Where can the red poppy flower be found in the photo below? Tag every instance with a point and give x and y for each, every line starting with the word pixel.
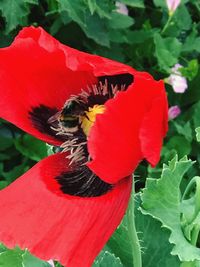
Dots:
pixel 103 115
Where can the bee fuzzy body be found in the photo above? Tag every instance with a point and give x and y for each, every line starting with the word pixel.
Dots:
pixel 70 117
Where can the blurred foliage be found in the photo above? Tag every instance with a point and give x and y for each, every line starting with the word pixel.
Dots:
pixel 146 38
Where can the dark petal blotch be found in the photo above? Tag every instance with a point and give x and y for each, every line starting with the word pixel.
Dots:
pixel 97 99
pixel 39 117
pixel 82 182
pixel 119 79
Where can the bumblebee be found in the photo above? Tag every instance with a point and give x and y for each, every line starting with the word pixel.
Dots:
pixel 70 116
pixel 76 115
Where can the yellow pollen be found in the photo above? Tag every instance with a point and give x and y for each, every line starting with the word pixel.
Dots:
pixel 88 120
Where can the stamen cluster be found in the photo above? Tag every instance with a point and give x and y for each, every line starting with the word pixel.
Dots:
pixel 76 109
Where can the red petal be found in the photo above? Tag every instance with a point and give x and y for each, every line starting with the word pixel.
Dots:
pixel 131 129
pixel 36 215
pixel 75 59
pixel 34 74
pixel 154 127
pixel 38 74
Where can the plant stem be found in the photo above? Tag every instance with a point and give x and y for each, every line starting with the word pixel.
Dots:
pixel 195 235
pixel 195 182
pixel 167 24
pixel 136 249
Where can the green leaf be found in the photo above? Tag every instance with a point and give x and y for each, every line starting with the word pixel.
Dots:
pixel 198 133
pixel 182 18
pixel 19 258
pixel 15 172
pixel 92 5
pixel 192 42
pixel 2 248
pixel 34 2
pixel 134 3
pixel 192 95
pixel 175 145
pixel 120 21
pixel 160 3
pixel 64 18
pixel 11 258
pixel 153 239
pixel 167 51
pixel 161 200
pixel 190 208
pixel 117 37
pixel 75 10
pixel 14 11
pixel 92 25
pixel 4 156
pixel 3 184
pixel 31 147
pixel 121 237
pixel 31 261
pixel 106 259
pixel 102 8
pixel 139 36
pixel 195 115
pixel 57 264
pixel 191 70
pixel 190 264
pixel 155 245
pixel 115 53
pixel 96 29
pixel 5 143
pixel 185 130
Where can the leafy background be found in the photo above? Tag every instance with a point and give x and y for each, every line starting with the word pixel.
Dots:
pixel 147 39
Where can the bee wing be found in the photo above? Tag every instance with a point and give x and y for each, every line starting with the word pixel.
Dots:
pixel 54 118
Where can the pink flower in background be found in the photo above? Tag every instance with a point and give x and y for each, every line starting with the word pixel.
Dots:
pixel 176 80
pixel 51 263
pixel 172 5
pixel 173 112
pixel 121 8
